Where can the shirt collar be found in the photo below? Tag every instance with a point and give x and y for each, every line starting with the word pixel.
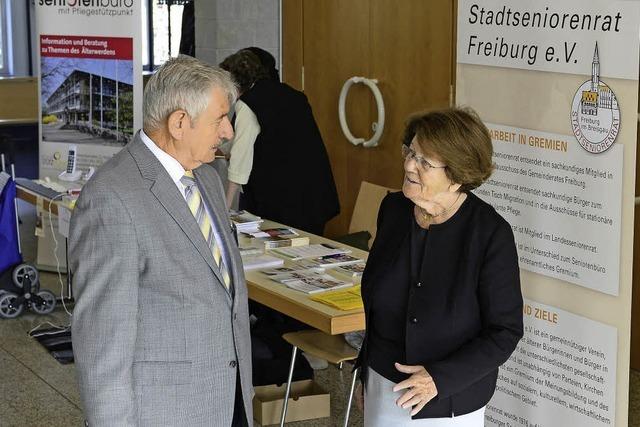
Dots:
pixel 173 167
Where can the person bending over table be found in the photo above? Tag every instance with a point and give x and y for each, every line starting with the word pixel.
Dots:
pixel 441 288
pixel 284 166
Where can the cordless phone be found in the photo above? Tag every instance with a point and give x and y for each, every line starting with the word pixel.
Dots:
pixel 72 173
pixel 71 160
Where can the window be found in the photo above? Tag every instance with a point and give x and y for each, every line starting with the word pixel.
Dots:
pixel 161 34
pixel 161 29
pixel 16 36
pixel 4 33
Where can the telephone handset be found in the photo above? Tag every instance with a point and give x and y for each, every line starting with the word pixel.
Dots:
pixel 71 159
pixel 72 173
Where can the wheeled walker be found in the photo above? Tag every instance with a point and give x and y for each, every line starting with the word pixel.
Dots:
pixel 19 281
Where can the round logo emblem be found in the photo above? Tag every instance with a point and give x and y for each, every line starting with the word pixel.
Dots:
pixel 595 116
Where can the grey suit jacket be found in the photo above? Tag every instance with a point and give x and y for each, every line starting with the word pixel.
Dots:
pixel 157 337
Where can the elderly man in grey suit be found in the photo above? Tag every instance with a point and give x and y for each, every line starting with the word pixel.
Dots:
pixel 160 325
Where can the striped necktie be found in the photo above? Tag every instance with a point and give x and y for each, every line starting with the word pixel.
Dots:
pixel 196 205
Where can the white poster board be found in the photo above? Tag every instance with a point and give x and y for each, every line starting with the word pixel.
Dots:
pixel 558 37
pixel 563 373
pixel 90 85
pixel 550 195
pixel 557 86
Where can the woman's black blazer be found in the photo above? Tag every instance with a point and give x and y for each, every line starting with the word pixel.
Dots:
pixel 464 315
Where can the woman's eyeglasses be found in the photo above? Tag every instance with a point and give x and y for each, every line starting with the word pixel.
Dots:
pixel 421 162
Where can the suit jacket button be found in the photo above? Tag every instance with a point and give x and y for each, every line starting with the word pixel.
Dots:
pixel 414 320
pixel 233 364
pixel 419 285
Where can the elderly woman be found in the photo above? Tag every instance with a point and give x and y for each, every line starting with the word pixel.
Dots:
pixel 441 288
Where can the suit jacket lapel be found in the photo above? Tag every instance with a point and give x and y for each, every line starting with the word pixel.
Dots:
pixel 165 190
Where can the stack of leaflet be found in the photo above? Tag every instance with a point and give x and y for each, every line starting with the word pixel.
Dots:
pixel 310 282
pixel 274 232
pixel 310 251
pixel 255 258
pixel 278 238
pixel 351 270
pixel 250 250
pixel 245 222
pixel 258 261
pixel 343 299
pixel 282 270
pixel 330 261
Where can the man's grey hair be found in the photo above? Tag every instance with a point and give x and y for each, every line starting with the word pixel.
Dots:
pixel 183 83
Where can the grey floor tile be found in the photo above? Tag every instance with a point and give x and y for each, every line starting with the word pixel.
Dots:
pixel 17 343
pixel 27 400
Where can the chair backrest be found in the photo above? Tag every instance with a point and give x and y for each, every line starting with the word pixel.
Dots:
pixel 365 212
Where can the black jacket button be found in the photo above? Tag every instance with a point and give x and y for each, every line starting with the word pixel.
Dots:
pixel 233 364
pixel 419 285
pixel 414 320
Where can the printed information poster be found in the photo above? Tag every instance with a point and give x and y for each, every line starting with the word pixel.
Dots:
pixel 90 67
pixel 563 373
pixel 86 97
pixel 556 83
pixel 551 190
pixel 558 37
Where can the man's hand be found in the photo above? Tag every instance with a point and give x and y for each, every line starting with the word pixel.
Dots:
pixel 359 396
pixel 420 388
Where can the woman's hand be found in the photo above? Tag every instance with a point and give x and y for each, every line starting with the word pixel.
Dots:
pixel 359 396
pixel 420 388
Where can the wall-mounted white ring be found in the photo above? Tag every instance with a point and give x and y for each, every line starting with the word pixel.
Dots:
pixel 378 126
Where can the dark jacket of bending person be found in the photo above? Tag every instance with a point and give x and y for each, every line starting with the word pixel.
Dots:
pixel 441 288
pixel 291 179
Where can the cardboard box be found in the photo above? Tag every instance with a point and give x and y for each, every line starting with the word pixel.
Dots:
pixel 307 400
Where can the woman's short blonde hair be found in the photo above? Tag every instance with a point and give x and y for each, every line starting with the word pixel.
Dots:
pixel 458 138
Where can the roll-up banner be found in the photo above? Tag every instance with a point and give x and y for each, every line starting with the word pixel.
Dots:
pixel 556 83
pixel 90 68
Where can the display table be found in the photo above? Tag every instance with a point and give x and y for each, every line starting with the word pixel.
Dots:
pixel 299 305
pixel 265 291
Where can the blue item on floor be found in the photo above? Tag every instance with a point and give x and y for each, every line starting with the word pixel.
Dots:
pixel 19 282
pixel 9 250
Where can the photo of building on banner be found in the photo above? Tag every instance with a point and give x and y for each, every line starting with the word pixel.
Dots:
pixel 87 89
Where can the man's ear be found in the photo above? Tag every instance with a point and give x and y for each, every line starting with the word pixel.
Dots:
pixel 176 123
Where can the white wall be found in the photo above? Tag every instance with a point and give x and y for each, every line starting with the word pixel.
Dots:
pixel 225 26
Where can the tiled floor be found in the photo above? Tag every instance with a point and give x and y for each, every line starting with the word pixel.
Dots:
pixel 36 391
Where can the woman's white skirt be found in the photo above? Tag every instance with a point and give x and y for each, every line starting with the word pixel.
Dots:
pixel 380 409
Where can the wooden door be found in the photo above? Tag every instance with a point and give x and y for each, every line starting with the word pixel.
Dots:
pixel 407 45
